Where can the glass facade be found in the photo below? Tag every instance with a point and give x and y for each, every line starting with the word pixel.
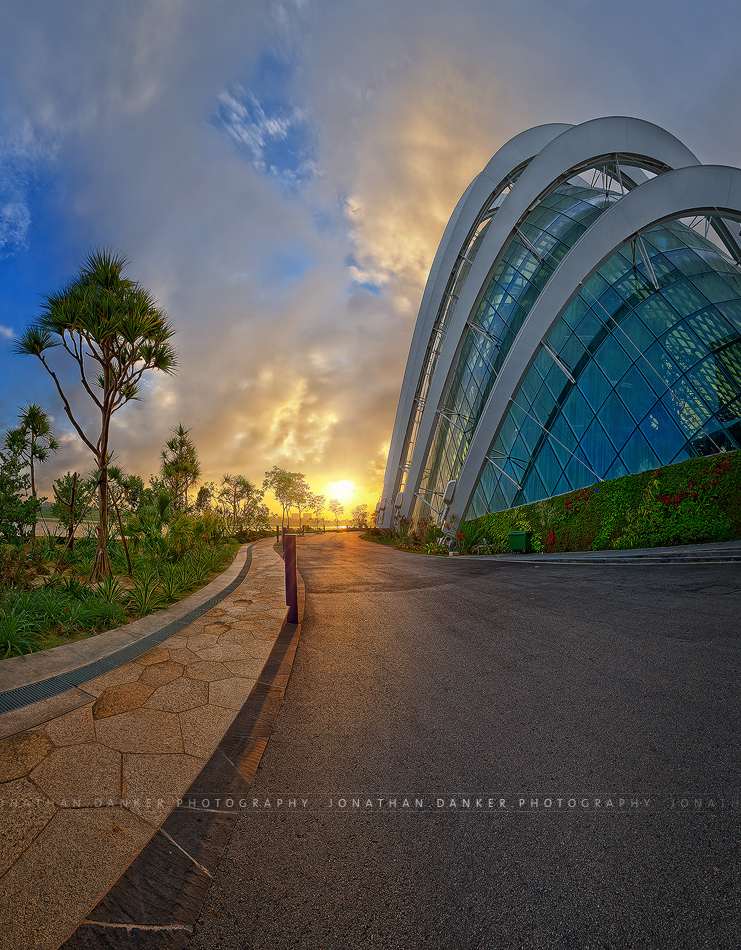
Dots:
pixel 537 248
pixel 647 369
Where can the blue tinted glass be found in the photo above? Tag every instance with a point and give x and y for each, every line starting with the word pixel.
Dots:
pixel 684 297
pixel 687 261
pixel 572 351
pixel 613 359
pixel 659 368
pixel 662 434
pixel 686 407
pixel 577 412
pixel 596 447
pixel 548 467
pixel 711 327
pixel 657 314
pixel 590 329
pixel 533 488
pixel 683 346
pixel 731 310
pixel 594 385
pixel 635 392
pixel 617 469
pixel 706 378
pixel 616 420
pixel 637 454
pixel 633 335
pixel 714 287
pixel 575 311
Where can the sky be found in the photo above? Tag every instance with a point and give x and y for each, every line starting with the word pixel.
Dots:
pixel 279 173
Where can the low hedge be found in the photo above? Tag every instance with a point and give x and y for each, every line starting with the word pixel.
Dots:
pixel 695 501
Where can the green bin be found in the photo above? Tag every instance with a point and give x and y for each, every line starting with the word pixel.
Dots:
pixel 520 541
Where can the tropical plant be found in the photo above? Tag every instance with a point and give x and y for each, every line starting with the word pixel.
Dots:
pixel 16 635
pixel 113 330
pixel 34 438
pixel 180 465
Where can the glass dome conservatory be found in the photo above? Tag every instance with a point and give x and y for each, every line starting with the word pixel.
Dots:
pixel 582 321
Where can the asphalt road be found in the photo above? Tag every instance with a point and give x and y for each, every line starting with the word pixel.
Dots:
pixel 589 716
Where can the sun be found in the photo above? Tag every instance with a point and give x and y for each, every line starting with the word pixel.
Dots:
pixel 342 491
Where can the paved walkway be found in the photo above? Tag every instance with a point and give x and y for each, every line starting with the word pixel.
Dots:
pixel 88 775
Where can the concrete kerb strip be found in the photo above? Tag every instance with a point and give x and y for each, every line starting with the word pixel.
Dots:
pixel 154 726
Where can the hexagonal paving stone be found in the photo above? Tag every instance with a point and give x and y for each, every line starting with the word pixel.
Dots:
pixel 183 655
pixel 250 669
pixel 230 693
pixel 79 774
pixel 142 730
pixel 178 696
pixel 215 629
pixel 203 728
pixel 129 673
pixel 21 819
pixel 161 673
pixel 206 670
pixel 119 699
pixel 227 651
pixel 154 783
pixel 21 753
pixel 74 727
pixel 157 655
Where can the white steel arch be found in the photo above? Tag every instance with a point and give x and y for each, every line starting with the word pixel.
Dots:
pixel 515 153
pixel 592 141
pixel 704 189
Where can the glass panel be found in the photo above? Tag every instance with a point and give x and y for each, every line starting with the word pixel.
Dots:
pixel 684 297
pixel 613 359
pixel 683 346
pixel 617 420
pixel 714 287
pixel 633 335
pixel 596 448
pixel 594 385
pixel 636 393
pixel 659 368
pixel 637 455
pixel 686 407
pixel 662 434
pixel 548 467
pixel 657 315
pixel 577 412
pixel 711 327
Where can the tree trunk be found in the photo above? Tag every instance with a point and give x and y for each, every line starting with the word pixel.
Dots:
pixel 102 565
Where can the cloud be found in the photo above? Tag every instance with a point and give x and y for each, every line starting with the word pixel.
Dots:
pixel 280 174
pixel 6 332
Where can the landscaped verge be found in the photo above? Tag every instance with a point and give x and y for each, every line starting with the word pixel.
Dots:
pixel 693 502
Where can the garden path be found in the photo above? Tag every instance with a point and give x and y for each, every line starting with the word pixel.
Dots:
pixel 83 789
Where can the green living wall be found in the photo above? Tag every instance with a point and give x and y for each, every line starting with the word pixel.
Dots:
pixel 690 503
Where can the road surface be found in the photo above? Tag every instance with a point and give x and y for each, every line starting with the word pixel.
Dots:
pixel 481 754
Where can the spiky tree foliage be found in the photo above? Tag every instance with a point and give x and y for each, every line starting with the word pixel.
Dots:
pixel 34 437
pixel 180 465
pixel 114 331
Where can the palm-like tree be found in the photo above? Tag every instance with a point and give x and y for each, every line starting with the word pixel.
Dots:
pixel 33 438
pixel 113 330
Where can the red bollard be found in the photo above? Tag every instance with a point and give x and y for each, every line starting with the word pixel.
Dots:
pixel 289 558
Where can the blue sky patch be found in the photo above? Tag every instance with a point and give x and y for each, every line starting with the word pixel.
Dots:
pixel 264 121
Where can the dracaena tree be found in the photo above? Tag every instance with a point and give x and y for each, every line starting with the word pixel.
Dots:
pixel 114 332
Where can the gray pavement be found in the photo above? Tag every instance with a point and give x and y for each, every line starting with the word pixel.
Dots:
pixel 572 734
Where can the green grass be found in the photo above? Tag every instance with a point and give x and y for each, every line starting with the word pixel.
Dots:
pixel 40 609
